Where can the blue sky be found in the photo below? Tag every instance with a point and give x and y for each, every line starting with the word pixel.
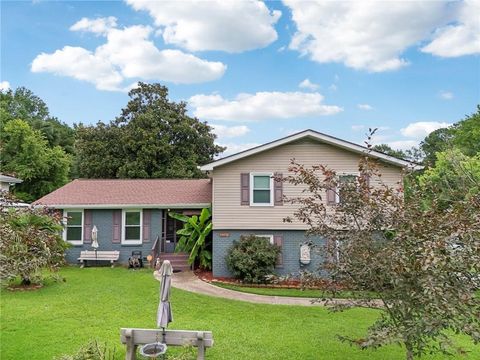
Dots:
pixel 256 71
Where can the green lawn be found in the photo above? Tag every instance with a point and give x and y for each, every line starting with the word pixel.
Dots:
pixel 307 293
pixel 97 302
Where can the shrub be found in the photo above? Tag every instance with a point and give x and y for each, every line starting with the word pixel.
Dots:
pixel 30 241
pixel 252 258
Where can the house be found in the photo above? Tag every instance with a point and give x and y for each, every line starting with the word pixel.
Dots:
pixel 131 215
pixel 7 181
pixel 247 200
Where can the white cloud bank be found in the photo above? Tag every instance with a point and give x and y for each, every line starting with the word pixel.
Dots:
pixel 127 54
pixel 231 26
pixel 235 148
pixel 261 106
pixel 4 85
pixel 422 128
pixel 461 38
pixel 372 35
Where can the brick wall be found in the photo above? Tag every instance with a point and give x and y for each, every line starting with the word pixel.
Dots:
pixel 292 240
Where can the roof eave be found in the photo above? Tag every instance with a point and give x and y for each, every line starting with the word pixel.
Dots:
pixel 124 206
pixel 318 136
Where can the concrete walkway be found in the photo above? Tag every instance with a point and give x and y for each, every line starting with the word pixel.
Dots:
pixel 189 282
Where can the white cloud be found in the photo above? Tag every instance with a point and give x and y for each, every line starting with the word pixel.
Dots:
pixel 233 148
pixel 307 84
pixel 364 107
pixel 261 106
pixel 403 144
pixel 422 128
pixel 97 26
pixel 446 95
pixel 4 85
pixel 366 35
pixel 223 131
pixel 231 26
pixel 460 38
pixel 128 54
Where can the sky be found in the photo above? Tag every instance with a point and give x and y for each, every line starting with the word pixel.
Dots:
pixel 255 71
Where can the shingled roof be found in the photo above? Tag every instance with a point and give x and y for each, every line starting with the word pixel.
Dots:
pixel 102 193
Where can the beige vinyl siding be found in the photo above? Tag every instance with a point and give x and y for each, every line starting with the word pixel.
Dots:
pixel 229 214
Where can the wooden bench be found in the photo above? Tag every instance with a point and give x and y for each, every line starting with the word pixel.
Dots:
pixel 135 337
pixel 87 255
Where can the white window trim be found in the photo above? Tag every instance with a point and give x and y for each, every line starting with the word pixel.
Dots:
pixel 65 222
pixel 269 236
pixel 271 188
pixel 337 190
pixel 124 224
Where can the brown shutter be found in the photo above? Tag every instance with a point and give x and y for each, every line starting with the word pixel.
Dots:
pixel 278 189
pixel 117 226
pixel 87 226
pixel 245 189
pixel 278 240
pixel 147 218
pixel 331 197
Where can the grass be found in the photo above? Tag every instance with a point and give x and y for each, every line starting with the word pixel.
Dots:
pixel 272 291
pixel 94 303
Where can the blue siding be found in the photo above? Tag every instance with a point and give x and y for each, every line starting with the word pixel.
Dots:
pixel 292 240
pixel 103 219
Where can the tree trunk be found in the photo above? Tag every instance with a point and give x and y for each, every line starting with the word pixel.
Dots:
pixel 409 352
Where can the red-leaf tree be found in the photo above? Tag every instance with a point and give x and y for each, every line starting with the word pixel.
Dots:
pixel 420 263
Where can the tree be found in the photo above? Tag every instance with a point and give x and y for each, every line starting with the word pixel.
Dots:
pixel 195 237
pixel 152 138
pixel 420 264
pixel 386 149
pixel 30 241
pixel 467 134
pixel 463 135
pixel 455 177
pixel 25 105
pixel 25 153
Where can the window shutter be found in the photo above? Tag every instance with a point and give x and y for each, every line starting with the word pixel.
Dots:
pixel 147 218
pixel 245 189
pixel 278 189
pixel 87 226
pixel 331 197
pixel 117 226
pixel 278 240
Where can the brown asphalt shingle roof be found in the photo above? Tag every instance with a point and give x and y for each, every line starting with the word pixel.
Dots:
pixel 130 192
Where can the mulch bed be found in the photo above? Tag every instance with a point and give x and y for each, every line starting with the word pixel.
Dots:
pixel 207 276
pixel 31 287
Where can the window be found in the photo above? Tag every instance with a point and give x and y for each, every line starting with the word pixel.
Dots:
pixel 347 182
pixel 132 227
pixel 73 231
pixel 268 237
pixel 261 185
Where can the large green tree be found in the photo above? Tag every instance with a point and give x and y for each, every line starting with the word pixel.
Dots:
pixel 152 138
pixel 25 153
pixel 463 135
pixel 25 105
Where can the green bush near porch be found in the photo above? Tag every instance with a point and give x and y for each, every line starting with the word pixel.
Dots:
pixel 97 302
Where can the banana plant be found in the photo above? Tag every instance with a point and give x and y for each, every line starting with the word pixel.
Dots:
pixel 194 237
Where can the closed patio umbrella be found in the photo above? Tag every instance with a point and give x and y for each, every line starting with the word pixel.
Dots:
pixel 164 313
pixel 95 237
pixel 95 241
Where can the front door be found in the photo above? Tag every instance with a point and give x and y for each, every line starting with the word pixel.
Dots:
pixel 171 234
